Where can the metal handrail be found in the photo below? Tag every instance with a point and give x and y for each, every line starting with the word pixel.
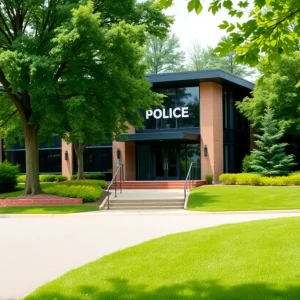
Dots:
pixel 114 180
pixel 189 179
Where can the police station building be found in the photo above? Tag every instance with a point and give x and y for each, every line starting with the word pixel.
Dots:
pixel 198 122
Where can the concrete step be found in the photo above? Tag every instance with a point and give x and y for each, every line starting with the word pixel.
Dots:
pixel 146 204
pixel 145 207
pixel 157 184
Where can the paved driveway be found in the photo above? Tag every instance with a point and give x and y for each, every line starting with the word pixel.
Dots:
pixel 34 250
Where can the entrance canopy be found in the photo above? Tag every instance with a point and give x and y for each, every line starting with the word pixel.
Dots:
pixel 160 136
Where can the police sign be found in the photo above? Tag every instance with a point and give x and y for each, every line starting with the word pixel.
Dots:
pixel 168 113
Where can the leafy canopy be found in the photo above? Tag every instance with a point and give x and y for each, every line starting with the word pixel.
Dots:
pixel 272 27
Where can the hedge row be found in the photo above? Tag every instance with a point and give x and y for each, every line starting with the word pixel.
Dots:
pixel 8 177
pixel 44 178
pixel 88 190
pixel 90 176
pixel 255 179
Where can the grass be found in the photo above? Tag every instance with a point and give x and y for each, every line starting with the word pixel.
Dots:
pixel 63 209
pixel 253 261
pixel 234 198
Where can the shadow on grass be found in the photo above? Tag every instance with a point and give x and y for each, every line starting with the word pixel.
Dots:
pixel 122 289
pixel 201 199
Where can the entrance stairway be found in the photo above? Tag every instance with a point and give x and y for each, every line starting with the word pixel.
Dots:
pixel 144 195
pixel 174 184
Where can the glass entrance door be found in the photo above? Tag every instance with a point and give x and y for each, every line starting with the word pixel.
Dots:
pixel 166 163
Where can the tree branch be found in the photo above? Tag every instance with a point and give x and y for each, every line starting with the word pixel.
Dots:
pixel 9 117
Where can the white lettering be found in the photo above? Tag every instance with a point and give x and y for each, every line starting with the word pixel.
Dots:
pixel 157 113
pixel 149 113
pixel 177 112
pixel 174 112
pixel 164 114
pixel 185 112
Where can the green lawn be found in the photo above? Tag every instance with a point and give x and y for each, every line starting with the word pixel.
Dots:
pixel 63 209
pixel 256 260
pixel 233 198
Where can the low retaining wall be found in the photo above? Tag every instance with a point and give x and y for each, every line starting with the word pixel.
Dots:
pixel 39 202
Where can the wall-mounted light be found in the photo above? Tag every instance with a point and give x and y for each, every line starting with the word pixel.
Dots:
pixel 205 151
pixel 118 153
pixel 66 155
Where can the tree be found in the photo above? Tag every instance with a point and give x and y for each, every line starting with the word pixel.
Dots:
pixel 205 58
pixel 163 54
pixel 269 159
pixel 272 28
pixel 51 54
pixel 278 91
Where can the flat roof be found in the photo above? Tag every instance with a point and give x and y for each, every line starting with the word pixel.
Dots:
pixel 204 75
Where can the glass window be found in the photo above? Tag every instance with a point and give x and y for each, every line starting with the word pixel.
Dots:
pixel 16 157
pixel 50 161
pixel 189 97
pixel 175 98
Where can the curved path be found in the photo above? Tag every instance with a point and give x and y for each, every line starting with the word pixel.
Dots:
pixel 37 249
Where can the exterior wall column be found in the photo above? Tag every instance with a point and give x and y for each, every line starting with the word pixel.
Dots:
pixel 127 158
pixel 211 127
pixel 66 165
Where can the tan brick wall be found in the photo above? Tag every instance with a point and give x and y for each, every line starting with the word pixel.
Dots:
pixel 211 127
pixel 127 159
pixel 39 202
pixel 67 165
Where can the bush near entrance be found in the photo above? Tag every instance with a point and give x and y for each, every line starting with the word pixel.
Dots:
pixel 44 178
pixel 256 179
pixel 8 177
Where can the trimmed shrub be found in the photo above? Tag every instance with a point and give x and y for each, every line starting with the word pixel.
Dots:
pixel 209 178
pixel 44 178
pixel 8 177
pixel 21 179
pixel 256 179
pixel 228 178
pixel 89 193
pixel 248 179
pixel 99 183
pixel 95 176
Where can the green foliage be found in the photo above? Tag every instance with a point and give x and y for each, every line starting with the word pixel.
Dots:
pixel 8 177
pixel 163 55
pixel 44 178
pixel 270 28
pixel 209 178
pixel 246 164
pixel 90 176
pixel 97 183
pixel 269 158
pixel 89 191
pixel 278 91
pixel 256 179
pixel 203 58
pixel 89 55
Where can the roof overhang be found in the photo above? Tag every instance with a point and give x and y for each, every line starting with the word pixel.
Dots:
pixel 161 136
pixel 194 77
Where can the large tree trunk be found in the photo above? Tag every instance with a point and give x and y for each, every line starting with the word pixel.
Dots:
pixel 32 186
pixel 79 149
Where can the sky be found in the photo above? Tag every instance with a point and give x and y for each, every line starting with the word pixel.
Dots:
pixel 190 27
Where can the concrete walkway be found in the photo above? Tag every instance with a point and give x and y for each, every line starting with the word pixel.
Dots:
pixel 37 249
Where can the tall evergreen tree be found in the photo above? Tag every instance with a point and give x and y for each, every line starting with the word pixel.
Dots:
pixel 270 158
